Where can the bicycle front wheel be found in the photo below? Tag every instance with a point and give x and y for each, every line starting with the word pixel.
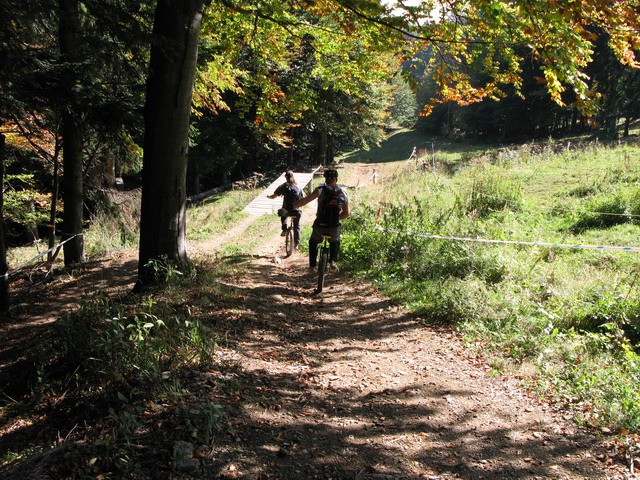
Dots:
pixel 322 267
pixel 288 242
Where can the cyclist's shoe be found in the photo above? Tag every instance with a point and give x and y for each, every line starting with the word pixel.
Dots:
pixel 297 246
pixel 312 268
pixel 333 267
pixel 283 233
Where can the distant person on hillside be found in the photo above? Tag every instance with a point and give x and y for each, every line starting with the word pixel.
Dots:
pixel 414 154
pixel 333 206
pixel 290 192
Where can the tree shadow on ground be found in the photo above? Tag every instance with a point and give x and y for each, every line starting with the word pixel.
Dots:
pixel 339 385
pixel 300 425
pixel 38 301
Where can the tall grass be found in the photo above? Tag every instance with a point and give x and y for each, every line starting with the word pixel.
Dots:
pixel 572 314
pixel 113 228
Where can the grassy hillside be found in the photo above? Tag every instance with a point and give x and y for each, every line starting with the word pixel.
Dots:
pixel 567 317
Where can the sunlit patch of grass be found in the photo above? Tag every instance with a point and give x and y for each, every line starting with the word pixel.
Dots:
pixel 259 231
pixel 217 214
pixel 18 256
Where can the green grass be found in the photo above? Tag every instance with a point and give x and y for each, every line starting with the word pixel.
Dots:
pixel 543 307
pixel 399 144
pixel 214 216
pixel 217 214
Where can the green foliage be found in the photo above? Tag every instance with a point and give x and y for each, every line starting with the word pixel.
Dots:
pixel 125 347
pixel 310 78
pixel 164 269
pixel 597 374
pixel 634 206
pixel 404 110
pixel 600 309
pixel 24 204
pixel 602 212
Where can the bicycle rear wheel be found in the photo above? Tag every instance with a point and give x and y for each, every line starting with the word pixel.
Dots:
pixel 322 267
pixel 288 242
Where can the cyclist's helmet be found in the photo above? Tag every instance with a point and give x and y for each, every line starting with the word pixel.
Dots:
pixel 330 173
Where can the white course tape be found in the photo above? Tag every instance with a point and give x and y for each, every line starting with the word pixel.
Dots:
pixel 16 270
pixel 515 242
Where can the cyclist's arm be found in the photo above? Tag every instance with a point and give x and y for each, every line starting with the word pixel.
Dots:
pixel 309 198
pixel 346 210
pixel 278 192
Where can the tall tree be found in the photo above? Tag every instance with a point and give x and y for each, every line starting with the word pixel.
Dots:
pixel 4 275
pixel 69 31
pixel 176 30
pixel 489 34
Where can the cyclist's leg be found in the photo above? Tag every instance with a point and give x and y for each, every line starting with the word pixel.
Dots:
pixel 283 222
pixel 334 245
pixel 334 250
pixel 296 229
pixel 314 240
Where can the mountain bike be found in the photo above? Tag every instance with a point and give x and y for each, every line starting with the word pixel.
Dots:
pixel 289 232
pixel 323 262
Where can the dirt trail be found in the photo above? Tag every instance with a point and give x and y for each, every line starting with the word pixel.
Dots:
pixel 344 385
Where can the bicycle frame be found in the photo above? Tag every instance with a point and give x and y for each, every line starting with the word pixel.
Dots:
pixel 323 261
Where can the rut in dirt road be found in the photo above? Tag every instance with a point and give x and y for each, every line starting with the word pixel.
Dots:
pixel 344 385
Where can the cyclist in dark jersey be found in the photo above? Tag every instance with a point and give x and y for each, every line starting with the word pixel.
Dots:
pixel 290 192
pixel 333 206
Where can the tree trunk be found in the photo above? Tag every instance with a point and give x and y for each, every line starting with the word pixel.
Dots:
pixel 169 90
pixel 53 213
pixel 627 124
pixel 4 277
pixel 322 145
pixel 69 35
